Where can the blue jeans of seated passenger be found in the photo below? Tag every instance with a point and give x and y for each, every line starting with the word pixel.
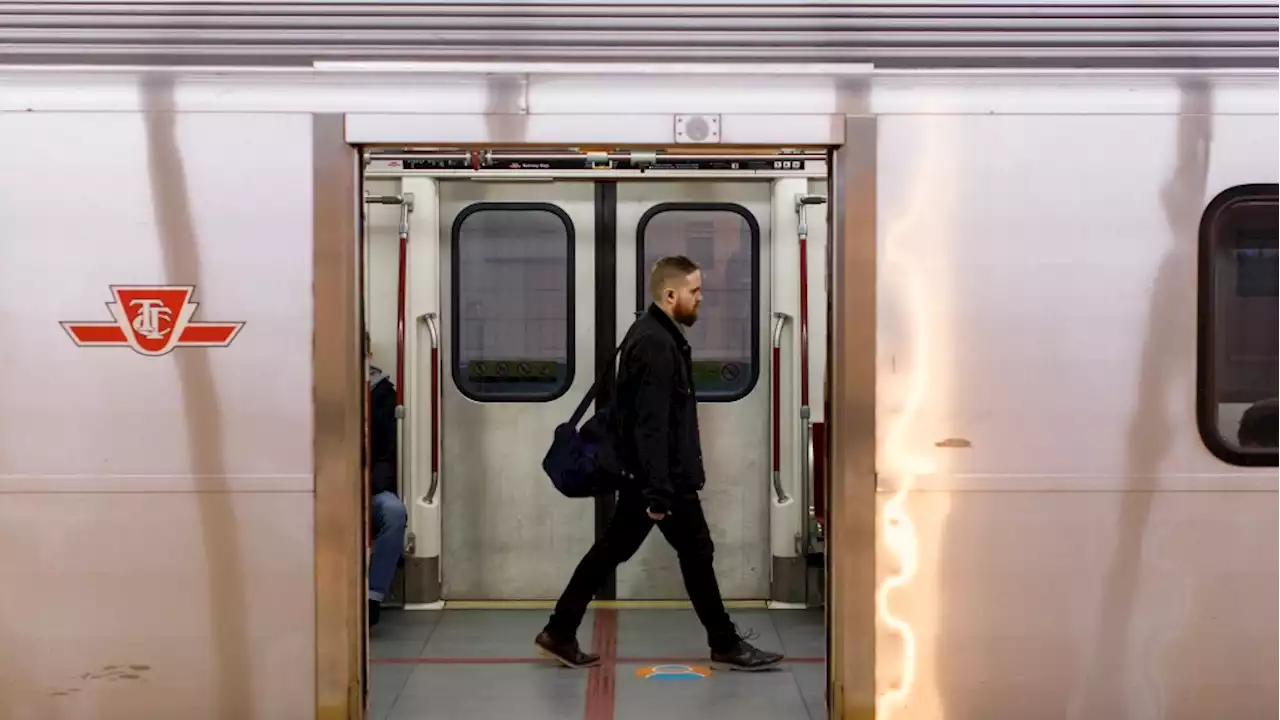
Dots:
pixel 389 519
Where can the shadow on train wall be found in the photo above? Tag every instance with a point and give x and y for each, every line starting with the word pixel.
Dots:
pixel 1166 374
pixel 1083 633
pixel 221 538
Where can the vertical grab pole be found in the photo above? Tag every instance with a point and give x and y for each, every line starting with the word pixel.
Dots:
pixel 405 201
pixel 406 207
pixel 806 432
pixel 366 348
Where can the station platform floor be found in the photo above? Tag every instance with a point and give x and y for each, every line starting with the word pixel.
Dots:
pixel 481 664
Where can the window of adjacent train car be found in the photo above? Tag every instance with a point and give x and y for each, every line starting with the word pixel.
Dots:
pixel 512 302
pixel 1240 316
pixel 724 240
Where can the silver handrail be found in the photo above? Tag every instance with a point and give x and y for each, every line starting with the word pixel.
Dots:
pixel 779 319
pixel 429 319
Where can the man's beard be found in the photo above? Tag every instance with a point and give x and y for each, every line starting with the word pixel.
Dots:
pixel 687 319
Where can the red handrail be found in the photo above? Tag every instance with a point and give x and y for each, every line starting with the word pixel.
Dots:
pixel 804 319
pixel 811 490
pixel 406 206
pixel 400 310
pixel 435 409
pixel 777 409
pixel 803 234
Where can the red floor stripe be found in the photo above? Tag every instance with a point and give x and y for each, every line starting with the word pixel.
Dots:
pixel 601 678
pixel 544 661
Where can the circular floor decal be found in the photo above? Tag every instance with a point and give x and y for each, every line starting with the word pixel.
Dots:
pixel 673 672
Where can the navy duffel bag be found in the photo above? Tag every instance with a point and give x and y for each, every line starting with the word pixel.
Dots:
pixel 583 463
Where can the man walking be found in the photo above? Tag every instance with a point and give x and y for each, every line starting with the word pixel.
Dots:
pixel 656 431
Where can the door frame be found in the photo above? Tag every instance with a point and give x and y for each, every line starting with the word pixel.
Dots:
pixel 341 638
pixel 616 285
pixel 852 530
pixel 338 424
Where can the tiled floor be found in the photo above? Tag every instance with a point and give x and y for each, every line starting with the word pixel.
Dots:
pixel 481 665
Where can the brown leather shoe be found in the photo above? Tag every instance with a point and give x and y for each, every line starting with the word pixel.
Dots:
pixel 568 653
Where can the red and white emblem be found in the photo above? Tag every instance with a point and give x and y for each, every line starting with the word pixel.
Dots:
pixel 153 320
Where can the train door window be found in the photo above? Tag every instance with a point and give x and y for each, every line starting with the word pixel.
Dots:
pixel 512 302
pixel 1239 316
pixel 724 240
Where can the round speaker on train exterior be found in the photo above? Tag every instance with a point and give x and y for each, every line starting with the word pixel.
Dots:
pixel 697 128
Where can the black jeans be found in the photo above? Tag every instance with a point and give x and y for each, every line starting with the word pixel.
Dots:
pixel 685 528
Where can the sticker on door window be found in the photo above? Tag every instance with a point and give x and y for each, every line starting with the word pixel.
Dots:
pixel 724 240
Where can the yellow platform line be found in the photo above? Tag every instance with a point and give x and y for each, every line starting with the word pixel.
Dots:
pixel 597 604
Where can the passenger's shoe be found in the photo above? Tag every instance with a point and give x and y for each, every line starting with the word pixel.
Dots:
pixel 568 653
pixel 375 612
pixel 744 656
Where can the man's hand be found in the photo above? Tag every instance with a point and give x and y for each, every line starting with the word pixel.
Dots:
pixel 655 516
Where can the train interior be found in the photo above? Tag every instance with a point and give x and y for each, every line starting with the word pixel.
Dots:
pixel 497 283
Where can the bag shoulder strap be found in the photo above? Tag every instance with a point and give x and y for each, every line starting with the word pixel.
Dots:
pixel 591 392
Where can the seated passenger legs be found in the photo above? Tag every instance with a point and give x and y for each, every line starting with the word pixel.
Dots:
pixel 389 518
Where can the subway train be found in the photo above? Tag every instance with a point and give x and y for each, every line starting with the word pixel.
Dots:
pixel 986 365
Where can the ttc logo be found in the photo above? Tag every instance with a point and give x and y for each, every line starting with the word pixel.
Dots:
pixel 153 320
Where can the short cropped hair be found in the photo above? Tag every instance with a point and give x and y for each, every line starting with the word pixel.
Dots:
pixel 666 270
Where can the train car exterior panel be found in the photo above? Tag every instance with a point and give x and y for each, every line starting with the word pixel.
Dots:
pixel 1081 604
pixel 121 605
pixel 1041 275
pixel 154 192
pixel 1068 543
pixel 157 510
